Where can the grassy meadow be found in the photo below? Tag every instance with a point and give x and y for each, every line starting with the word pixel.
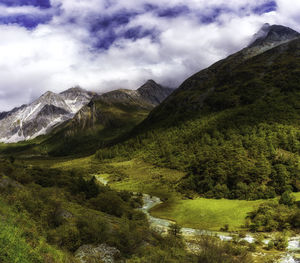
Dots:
pixel 209 214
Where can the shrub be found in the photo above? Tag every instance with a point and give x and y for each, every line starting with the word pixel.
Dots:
pixel 109 202
pixel 270 245
pixel 174 230
pixel 66 236
pixel 92 229
pixel 280 242
pixel 287 199
pixel 214 250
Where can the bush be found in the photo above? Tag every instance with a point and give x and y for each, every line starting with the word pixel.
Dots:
pixel 92 229
pixel 280 242
pixel 270 245
pixel 287 199
pixel 272 216
pixel 174 230
pixel 65 236
pixel 252 247
pixel 216 251
pixel 109 202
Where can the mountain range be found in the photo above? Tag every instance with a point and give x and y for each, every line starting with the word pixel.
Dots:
pixel 50 110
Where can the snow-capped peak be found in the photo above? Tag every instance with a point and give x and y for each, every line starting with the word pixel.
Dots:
pixel 40 116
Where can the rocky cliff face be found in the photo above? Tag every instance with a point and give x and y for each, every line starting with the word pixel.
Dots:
pixel 268 37
pixel 39 117
pixel 76 98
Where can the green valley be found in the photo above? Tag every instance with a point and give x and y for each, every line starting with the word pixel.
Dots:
pixel 157 175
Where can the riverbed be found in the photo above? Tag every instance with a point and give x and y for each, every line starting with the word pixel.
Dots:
pixel 162 225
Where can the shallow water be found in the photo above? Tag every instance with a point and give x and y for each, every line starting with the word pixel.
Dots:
pixel 161 225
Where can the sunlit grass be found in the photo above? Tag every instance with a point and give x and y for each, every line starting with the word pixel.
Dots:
pixel 15 242
pixel 297 195
pixel 207 214
pixel 146 178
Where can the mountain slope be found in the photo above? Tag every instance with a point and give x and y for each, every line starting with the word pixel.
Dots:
pixel 236 80
pixel 105 118
pixel 39 117
pixel 233 128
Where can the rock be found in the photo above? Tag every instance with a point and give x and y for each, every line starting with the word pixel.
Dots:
pixel 97 254
pixel 6 182
pixel 61 214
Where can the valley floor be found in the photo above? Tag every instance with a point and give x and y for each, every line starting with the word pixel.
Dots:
pixel 188 210
pixel 193 212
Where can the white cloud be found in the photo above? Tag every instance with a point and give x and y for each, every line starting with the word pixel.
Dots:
pixel 59 55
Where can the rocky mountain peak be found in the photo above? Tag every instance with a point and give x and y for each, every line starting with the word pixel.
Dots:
pixel 153 92
pixel 77 90
pixel 273 35
pixel 76 97
pixel 150 84
pixel 40 116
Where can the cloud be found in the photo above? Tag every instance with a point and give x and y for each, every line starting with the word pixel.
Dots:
pixel 108 44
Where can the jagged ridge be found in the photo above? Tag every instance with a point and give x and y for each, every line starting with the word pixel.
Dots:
pixel 39 117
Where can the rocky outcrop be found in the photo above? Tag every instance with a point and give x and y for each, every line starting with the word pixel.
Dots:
pixel 97 254
pixel 6 182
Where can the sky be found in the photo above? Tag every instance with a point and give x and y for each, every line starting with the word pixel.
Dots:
pixel 102 45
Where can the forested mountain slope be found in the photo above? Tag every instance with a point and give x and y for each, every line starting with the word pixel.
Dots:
pixel 234 127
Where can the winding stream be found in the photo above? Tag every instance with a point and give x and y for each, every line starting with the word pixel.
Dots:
pixel 161 226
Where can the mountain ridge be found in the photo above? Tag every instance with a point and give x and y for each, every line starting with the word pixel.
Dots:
pixel 29 121
pixel 191 87
pixel 52 109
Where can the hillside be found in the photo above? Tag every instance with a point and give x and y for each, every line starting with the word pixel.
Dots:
pixel 233 128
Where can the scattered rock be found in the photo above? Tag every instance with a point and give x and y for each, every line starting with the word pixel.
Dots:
pixel 97 254
pixel 62 214
pixel 6 182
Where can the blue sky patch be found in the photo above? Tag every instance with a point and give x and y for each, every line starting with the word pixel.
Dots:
pixel 36 3
pixel 103 23
pixel 139 32
pixel 173 11
pixel 265 8
pixel 27 21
